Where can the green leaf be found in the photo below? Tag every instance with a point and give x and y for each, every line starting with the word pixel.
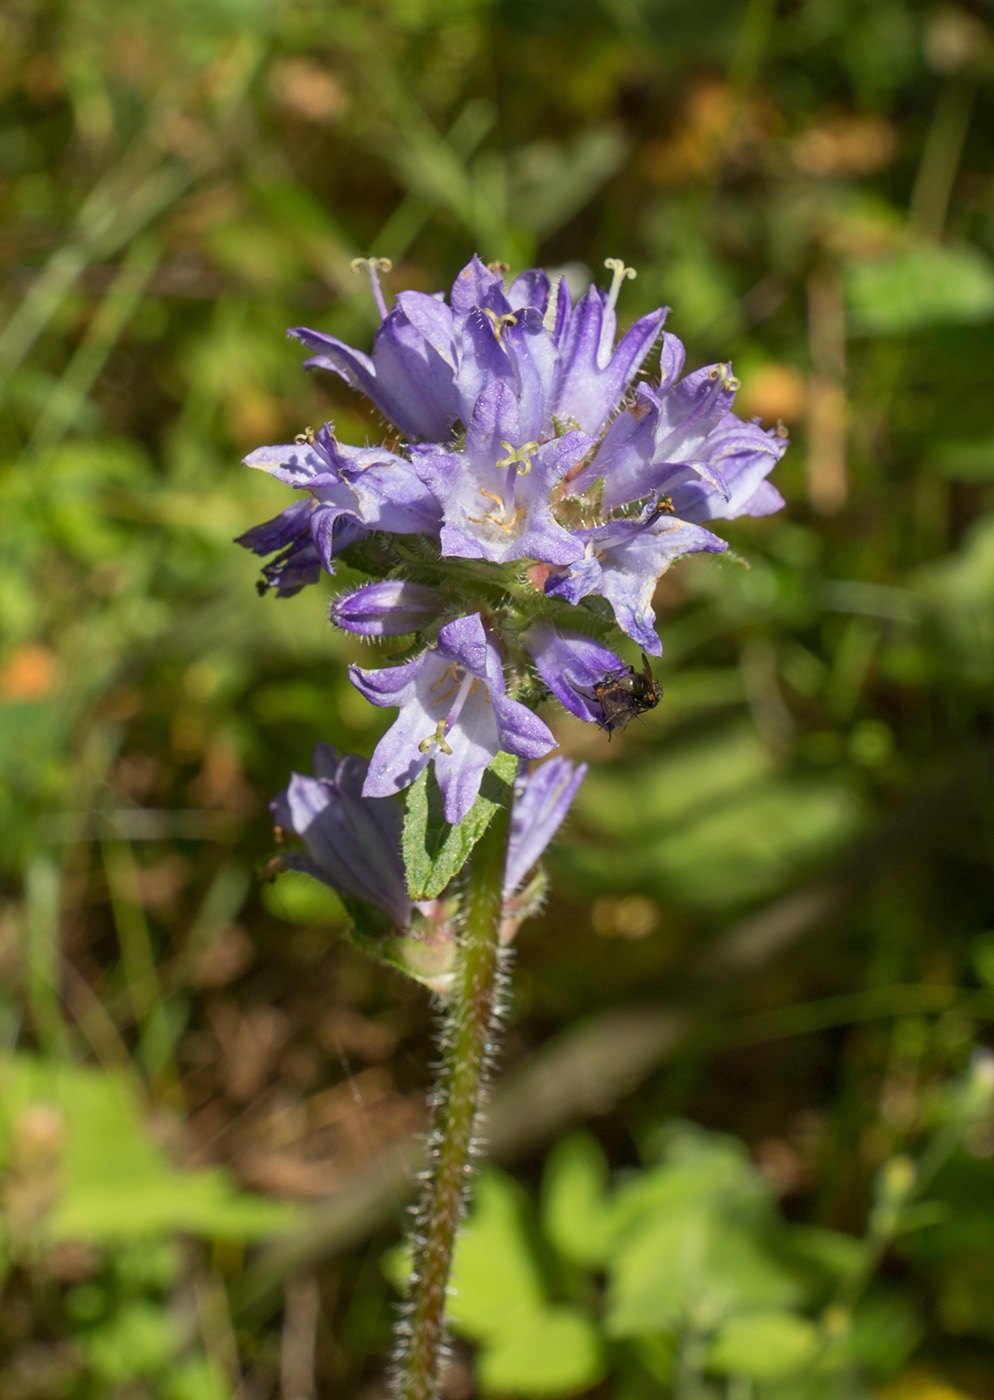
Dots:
pixel 296 898
pixel 886 1329
pixel 496 1282
pixel 555 1351
pixel 139 1341
pixel 576 1212
pixel 196 1379
pixel 114 1182
pixel 920 286
pixel 694 1266
pixel 765 1346
pixel 434 851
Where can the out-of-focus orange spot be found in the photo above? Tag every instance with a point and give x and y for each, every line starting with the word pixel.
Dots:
pixel 220 785
pixel 631 917
pixel 772 393
pixel 42 78
pixel 713 126
pixel 194 216
pixel 307 91
pixel 29 673
pixel 849 145
pixel 182 135
pixel 255 415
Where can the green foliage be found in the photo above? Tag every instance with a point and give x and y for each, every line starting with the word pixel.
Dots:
pixel 809 188
pixel 920 287
pixel 686 1268
pixel 76 1132
pixel 81 1170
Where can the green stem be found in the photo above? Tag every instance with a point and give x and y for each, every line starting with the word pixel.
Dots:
pixel 466 1050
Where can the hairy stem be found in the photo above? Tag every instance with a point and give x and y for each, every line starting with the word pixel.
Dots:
pixel 466 1049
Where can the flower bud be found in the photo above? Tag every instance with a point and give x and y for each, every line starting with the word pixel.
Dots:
pixel 391 608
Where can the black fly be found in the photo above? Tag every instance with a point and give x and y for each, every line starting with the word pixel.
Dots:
pixel 624 694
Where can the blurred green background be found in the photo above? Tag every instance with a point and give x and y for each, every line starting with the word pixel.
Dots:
pixel 744 1113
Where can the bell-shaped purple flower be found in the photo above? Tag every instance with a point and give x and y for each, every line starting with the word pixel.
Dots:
pixel 572 666
pixel 352 492
pixel 624 560
pixel 390 608
pixel 541 801
pixel 353 842
pixel 495 495
pixel 431 360
pixel 288 536
pixel 453 711
pixel 681 440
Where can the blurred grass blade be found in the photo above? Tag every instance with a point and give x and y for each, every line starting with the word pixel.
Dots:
pixel 43 952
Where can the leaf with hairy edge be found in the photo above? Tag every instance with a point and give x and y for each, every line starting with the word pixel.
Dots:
pixel 434 851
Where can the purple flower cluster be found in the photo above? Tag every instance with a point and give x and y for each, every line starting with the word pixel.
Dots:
pixel 352 841
pixel 535 478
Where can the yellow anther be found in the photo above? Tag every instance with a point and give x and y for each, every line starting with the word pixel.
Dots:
pixel 666 505
pixel 438 738
pixel 450 673
pixel 500 324
pixel 724 373
pixel 518 457
pixel 500 269
pixel 306 437
pixel 506 525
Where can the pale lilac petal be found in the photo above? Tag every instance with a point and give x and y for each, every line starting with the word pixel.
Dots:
pixel 521 730
pixel 405 377
pixel 466 642
pixel 297 464
pixel 453 710
pixel 476 286
pixel 624 561
pixel 541 801
pixel 572 665
pixel 529 288
pixel 474 747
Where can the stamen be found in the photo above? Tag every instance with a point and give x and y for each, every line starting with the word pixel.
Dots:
pixel 305 438
pixel 665 504
pixel 619 274
pixel 552 310
pixel 517 456
pixel 499 269
pixel 500 324
pixel 373 267
pixel 506 525
pixel 451 672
